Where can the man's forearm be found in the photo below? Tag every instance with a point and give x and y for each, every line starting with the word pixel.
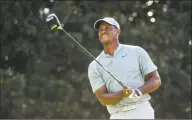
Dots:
pixel 150 85
pixel 110 98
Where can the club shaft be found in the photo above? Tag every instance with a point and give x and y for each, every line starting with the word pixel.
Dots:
pixel 94 58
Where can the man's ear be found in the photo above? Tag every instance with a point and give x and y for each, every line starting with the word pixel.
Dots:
pixel 118 31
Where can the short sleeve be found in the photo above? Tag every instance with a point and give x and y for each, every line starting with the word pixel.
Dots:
pixel 145 62
pixel 95 78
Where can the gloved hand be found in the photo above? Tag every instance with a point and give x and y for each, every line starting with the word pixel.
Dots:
pixel 135 95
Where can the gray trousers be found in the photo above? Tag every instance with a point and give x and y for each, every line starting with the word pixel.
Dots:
pixel 144 110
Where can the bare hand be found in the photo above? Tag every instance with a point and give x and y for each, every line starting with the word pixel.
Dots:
pixel 127 91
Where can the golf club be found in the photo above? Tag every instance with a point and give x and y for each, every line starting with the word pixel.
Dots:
pixel 54 24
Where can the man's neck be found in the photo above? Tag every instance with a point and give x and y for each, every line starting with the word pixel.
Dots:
pixel 110 48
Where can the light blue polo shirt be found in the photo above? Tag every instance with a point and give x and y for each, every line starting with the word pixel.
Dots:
pixel 129 65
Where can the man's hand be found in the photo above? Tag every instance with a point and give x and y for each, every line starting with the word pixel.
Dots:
pixel 135 95
pixel 107 98
pixel 126 92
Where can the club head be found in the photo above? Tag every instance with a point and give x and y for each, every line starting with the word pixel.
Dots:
pixel 53 22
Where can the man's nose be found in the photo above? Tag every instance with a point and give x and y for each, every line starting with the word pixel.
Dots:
pixel 103 31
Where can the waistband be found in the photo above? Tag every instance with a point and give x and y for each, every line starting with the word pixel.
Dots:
pixel 127 107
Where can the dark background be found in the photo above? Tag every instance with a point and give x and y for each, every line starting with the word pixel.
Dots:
pixel 44 73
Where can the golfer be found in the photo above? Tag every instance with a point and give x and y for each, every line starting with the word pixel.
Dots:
pixel 132 66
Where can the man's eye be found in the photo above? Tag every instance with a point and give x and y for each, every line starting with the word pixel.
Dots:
pixel 108 28
pixel 100 30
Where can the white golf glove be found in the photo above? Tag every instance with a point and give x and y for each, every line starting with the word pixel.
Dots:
pixel 135 95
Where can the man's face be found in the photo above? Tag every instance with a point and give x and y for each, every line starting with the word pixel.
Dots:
pixel 107 33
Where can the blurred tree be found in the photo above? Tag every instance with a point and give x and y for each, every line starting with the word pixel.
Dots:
pixel 44 74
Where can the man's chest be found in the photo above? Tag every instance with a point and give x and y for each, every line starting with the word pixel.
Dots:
pixel 122 66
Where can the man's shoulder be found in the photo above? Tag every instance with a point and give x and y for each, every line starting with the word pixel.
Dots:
pixel 93 63
pixel 134 48
pixel 131 47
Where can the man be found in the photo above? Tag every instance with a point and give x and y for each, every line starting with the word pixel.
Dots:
pixel 131 65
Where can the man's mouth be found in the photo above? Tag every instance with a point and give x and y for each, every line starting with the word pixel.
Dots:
pixel 104 36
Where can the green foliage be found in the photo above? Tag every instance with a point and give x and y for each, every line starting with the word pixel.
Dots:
pixel 44 73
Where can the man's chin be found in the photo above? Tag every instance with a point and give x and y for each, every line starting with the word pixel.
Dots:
pixel 105 41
